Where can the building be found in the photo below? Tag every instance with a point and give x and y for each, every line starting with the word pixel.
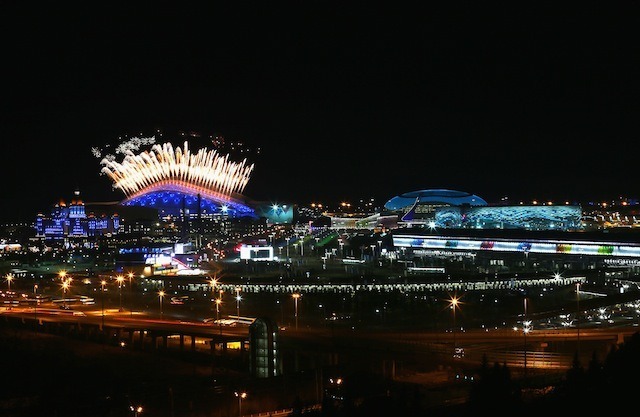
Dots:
pixel 441 208
pixel 513 250
pixel 180 183
pixel 265 359
pixel 67 223
pixel 194 197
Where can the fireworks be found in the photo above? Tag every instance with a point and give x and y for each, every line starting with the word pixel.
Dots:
pixel 132 144
pixel 163 167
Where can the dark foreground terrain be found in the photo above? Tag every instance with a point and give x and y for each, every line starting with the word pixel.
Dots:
pixel 48 375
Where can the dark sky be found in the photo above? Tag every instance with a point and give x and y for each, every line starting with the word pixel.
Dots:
pixel 346 100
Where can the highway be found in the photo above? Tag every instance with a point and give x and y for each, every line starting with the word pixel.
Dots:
pixel 551 348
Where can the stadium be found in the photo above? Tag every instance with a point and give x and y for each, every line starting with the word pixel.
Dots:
pixel 444 208
pixel 176 181
pixel 202 189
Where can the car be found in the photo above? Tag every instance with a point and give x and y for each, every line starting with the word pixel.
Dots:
pixel 176 300
pixel 458 353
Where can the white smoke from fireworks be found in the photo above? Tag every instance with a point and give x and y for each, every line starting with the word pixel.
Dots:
pixel 132 144
pixel 204 171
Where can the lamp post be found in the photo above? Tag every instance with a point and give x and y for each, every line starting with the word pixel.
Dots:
pixel 578 315
pixel 525 330
pixel 238 298
pixel 454 301
pixel 131 294
pixel 137 410
pixel 161 296
pixel 102 284
pixel 218 302
pixel 241 396
pixel 213 283
pixel 120 280
pixel 295 302
pixel 65 287
pixel 9 278
pixel 35 308
pixel 287 239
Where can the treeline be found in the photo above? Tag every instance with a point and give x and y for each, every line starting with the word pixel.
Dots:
pixel 585 390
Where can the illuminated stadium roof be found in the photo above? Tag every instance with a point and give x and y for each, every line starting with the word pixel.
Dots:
pixel 436 196
pixel 171 180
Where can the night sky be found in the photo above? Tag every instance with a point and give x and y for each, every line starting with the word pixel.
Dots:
pixel 345 99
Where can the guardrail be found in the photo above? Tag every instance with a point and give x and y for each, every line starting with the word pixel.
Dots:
pixel 285 412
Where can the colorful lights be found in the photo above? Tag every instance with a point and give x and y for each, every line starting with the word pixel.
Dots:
pixel 163 167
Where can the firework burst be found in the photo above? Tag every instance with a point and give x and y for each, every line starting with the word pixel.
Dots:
pixel 205 172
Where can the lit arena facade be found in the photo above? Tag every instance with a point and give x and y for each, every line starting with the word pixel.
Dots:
pixel 445 227
pixel 443 208
pixel 176 181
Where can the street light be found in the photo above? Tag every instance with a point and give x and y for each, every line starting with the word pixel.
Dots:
pixel 136 410
pixel 241 396
pixel 295 301
pixel 578 315
pixel 35 308
pixel 131 294
pixel 218 302
pixel 238 298
pixel 9 277
pixel 525 329
pixel 120 280
pixel 287 239
pixel 65 287
pixel 454 301
pixel 213 283
pixel 102 284
pixel 161 296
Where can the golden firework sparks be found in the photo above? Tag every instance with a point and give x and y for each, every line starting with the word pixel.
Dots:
pixel 206 171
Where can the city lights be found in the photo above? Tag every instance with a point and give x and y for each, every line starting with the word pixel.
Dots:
pixel 241 396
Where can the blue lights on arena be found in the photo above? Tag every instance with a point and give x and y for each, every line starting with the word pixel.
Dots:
pixel 171 203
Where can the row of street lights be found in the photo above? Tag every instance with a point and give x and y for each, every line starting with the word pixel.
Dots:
pixel 218 301
pixel 454 302
pixel 66 286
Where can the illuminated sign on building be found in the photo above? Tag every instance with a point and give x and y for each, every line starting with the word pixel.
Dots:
pixel 256 253
pixel 531 246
